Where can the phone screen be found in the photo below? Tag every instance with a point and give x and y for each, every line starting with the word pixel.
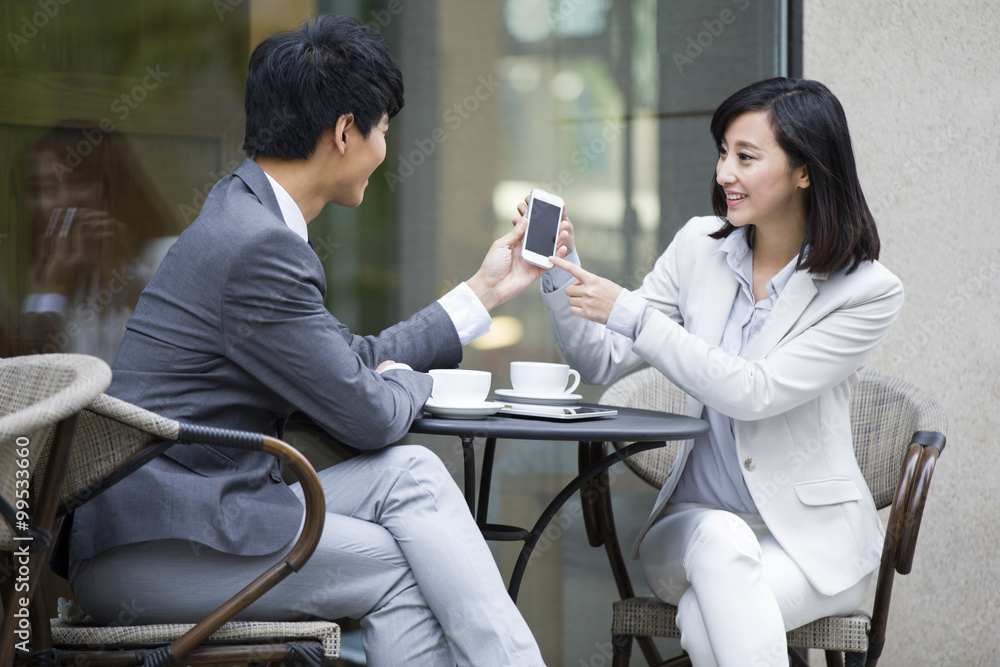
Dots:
pixel 542 228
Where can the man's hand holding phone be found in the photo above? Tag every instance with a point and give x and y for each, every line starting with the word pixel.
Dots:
pixel 504 272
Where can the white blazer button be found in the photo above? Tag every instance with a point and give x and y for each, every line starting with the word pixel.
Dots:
pixel 749 464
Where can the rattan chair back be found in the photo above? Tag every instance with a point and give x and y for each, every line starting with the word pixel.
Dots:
pixel 649 389
pixel 112 439
pixel 885 413
pixel 36 393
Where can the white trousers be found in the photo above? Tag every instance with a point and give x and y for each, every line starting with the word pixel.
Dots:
pixel 736 590
pixel 400 550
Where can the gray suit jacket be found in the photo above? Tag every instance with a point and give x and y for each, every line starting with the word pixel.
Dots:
pixel 232 332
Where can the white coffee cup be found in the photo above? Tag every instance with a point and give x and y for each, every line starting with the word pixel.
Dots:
pixel 455 386
pixel 537 378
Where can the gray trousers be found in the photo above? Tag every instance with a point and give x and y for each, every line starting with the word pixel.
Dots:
pixel 400 551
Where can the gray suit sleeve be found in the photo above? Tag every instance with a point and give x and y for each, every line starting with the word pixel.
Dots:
pixel 276 327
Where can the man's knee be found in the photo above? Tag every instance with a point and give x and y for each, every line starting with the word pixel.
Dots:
pixel 418 461
pixel 408 456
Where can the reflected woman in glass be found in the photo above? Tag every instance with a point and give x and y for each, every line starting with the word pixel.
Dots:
pixel 763 314
pixel 98 232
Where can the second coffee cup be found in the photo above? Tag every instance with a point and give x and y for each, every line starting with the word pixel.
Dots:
pixel 538 378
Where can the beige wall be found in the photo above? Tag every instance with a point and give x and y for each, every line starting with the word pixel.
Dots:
pixel 920 82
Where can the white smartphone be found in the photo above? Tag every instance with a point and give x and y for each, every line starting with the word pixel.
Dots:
pixel 571 412
pixel 544 213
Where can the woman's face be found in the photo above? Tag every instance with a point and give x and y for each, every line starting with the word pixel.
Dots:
pixel 51 185
pixel 754 173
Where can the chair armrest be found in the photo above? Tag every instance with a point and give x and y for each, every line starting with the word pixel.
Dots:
pixel 930 451
pixel 903 526
pixel 305 545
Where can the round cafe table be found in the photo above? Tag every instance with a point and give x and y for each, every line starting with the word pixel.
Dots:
pixel 644 429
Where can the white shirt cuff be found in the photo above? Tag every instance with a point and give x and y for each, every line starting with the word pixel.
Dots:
pixel 467 313
pixel 396 366
pixel 627 315
pixel 556 278
pixel 50 302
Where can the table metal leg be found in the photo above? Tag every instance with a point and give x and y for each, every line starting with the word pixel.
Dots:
pixel 469 456
pixel 553 507
pixel 484 483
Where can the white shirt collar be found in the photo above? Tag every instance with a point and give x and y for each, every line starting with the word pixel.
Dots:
pixel 740 260
pixel 289 209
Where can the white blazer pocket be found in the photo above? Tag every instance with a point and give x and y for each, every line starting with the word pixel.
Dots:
pixel 828 491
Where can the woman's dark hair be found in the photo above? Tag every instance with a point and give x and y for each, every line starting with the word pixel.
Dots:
pixel 810 126
pixel 85 153
pixel 301 82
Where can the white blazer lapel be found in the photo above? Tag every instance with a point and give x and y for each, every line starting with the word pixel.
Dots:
pixel 798 293
pixel 709 307
pixel 713 300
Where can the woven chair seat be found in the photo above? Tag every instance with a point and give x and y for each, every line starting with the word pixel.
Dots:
pixel 650 617
pixel 129 636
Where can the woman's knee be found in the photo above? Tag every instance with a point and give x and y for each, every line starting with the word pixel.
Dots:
pixel 694 634
pixel 721 540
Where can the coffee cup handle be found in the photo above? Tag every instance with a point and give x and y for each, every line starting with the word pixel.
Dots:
pixel 576 381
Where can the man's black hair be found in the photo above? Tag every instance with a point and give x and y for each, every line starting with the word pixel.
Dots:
pixel 301 82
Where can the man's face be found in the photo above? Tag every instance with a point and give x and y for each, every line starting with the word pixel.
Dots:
pixel 363 155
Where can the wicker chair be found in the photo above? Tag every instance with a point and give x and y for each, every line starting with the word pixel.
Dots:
pixel 40 396
pixel 112 439
pixel 898 435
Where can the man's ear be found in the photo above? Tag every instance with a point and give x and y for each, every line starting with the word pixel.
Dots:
pixel 340 132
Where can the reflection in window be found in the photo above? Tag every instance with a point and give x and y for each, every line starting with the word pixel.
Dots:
pixel 98 230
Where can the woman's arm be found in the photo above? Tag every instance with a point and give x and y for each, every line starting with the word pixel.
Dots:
pixel 832 338
pixel 600 354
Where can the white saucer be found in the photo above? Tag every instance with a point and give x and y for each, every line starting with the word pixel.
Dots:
pixel 562 399
pixel 472 411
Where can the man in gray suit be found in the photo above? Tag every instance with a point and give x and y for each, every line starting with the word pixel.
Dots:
pixel 232 332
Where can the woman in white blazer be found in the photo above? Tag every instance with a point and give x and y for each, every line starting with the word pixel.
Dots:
pixel 763 314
